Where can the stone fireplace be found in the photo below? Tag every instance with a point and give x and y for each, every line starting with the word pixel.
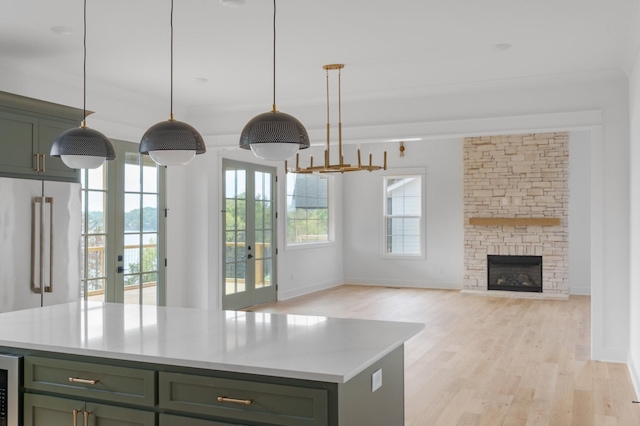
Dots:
pixel 516 201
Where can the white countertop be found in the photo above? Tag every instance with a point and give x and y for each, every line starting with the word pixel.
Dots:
pixel 294 346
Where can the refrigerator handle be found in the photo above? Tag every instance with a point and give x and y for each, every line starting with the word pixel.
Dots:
pixel 35 206
pixel 49 288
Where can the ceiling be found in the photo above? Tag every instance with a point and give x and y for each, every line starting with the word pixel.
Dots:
pixel 223 55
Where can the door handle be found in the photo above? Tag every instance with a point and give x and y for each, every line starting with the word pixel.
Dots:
pixel 120 269
pixel 49 288
pixel 249 256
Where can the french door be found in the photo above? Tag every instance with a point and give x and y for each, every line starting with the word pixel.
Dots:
pixel 140 225
pixel 249 229
pixel 123 229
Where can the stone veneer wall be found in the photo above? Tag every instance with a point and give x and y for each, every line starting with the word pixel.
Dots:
pixel 517 176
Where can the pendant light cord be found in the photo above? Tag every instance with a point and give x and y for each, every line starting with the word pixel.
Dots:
pixel 171 111
pixel 84 68
pixel 274 55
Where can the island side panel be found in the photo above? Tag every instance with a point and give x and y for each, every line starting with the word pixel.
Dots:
pixel 359 405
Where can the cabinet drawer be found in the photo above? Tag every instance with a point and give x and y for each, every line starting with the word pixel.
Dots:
pixel 117 384
pixel 244 400
pixel 171 420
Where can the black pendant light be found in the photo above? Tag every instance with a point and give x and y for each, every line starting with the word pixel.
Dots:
pixel 81 147
pixel 274 135
pixel 172 142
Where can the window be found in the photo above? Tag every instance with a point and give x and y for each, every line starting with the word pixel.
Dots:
pixel 403 223
pixel 307 209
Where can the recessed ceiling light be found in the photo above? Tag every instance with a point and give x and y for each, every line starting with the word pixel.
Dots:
pixel 501 47
pixel 232 3
pixel 201 80
pixel 63 31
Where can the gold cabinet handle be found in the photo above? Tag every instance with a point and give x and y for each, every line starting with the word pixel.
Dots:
pixel 235 401
pixel 86 418
pixel 44 164
pixel 83 381
pixel 37 162
pixel 75 417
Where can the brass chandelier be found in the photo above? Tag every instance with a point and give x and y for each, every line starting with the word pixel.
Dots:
pixel 340 166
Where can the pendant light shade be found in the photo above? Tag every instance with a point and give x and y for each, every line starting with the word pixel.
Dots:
pixel 81 147
pixel 172 142
pixel 274 135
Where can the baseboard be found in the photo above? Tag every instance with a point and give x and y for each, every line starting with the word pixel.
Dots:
pixel 580 291
pixel 635 376
pixel 517 294
pixel 404 284
pixel 303 291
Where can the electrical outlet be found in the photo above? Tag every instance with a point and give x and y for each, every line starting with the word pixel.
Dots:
pixel 376 380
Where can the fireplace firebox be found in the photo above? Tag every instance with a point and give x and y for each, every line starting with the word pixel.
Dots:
pixel 514 273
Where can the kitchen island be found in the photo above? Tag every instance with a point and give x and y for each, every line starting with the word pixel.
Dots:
pixel 148 365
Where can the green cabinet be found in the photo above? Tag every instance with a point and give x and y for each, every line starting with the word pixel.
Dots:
pixel 243 400
pixel 91 380
pixel 171 420
pixel 28 128
pixel 44 410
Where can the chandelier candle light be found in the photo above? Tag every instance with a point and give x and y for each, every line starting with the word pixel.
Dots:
pixel 341 166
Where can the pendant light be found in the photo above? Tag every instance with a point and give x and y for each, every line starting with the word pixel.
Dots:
pixel 81 147
pixel 172 142
pixel 274 135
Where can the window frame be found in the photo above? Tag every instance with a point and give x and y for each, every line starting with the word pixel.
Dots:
pixel 403 174
pixel 330 220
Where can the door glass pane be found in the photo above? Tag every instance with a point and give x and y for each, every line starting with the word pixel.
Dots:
pixel 95 178
pixel 132 288
pixel 97 214
pixel 235 235
pixel 131 253
pixel 150 212
pixel 132 172
pixel 131 213
pixel 94 233
pixel 149 175
pixel 263 228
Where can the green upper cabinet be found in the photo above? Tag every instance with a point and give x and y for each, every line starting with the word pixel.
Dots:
pixel 28 128
pixel 18 143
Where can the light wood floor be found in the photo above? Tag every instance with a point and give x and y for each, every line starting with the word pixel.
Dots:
pixel 490 361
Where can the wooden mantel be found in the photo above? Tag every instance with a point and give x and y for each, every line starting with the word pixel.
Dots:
pixel 514 221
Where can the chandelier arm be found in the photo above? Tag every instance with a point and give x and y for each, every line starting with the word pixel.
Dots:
pixel 327 155
pixel 340 116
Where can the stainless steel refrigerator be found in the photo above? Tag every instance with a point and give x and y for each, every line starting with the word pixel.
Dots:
pixel 40 235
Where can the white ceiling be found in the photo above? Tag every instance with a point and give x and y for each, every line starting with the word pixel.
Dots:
pixel 390 48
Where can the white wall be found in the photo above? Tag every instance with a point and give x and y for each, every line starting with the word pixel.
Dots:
pixel 634 290
pixel 442 266
pixel 579 212
pixel 194 227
